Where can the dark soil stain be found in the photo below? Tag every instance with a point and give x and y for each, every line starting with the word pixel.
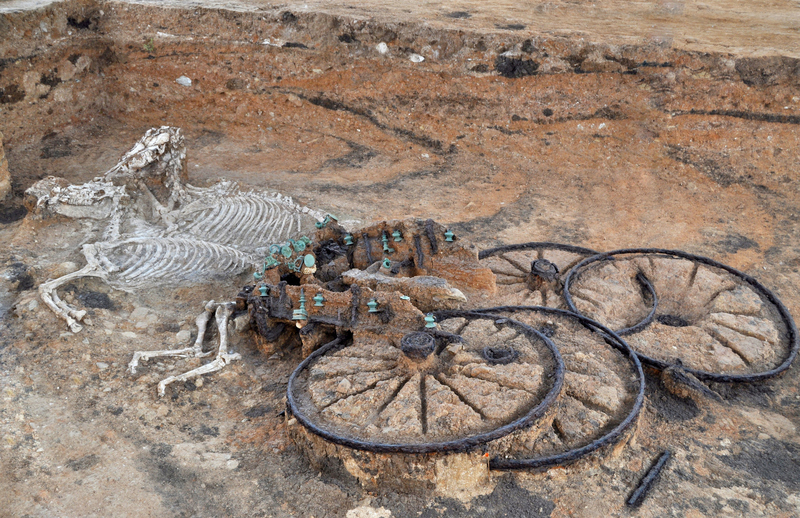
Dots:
pixel 96 299
pixel 259 411
pixel 356 158
pixel 507 500
pixel 511 27
pixel 714 166
pixel 732 243
pixel 458 14
pixel 515 67
pixel 422 140
pixel 11 212
pixel 528 46
pixel 54 146
pixel 770 459
pixel 208 138
pixel 768 70
pixel 667 405
pixel 82 463
pixel 750 116
pixel 19 278
pixel 758 394
pixel 11 94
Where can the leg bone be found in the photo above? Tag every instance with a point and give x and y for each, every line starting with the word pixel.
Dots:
pixel 223 358
pixel 195 351
pixel 49 295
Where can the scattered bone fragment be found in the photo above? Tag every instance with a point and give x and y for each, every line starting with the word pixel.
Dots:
pixel 222 312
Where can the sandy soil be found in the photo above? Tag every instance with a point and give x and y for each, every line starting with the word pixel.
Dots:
pixel 556 131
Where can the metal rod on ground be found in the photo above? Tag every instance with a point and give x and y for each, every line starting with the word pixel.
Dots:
pixel 648 481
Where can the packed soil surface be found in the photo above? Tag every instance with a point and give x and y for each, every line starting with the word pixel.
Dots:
pixel 522 123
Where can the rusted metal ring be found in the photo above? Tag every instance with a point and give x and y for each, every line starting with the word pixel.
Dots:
pixel 500 355
pixel 417 345
pixel 456 445
pixel 791 328
pixel 615 341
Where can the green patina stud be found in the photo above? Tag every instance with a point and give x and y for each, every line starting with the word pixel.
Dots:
pixel 385 240
pixel 373 306
pixel 387 263
pixel 348 239
pixel 448 236
pixel 397 235
pixel 318 300
pixel 430 322
pixel 301 313
pixel 263 290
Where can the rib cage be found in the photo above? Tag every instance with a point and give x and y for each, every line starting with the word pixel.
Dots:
pixel 244 220
pixel 138 261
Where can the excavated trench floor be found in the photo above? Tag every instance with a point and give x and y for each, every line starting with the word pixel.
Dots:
pixel 507 132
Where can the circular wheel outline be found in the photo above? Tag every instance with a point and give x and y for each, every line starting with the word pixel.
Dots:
pixel 534 245
pixel 538 246
pixel 613 436
pixel 791 328
pixel 451 446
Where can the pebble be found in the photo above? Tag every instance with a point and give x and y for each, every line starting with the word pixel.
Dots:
pixel 184 81
pixel 101 365
pixel 32 305
pixel 416 58
pixel 139 313
pixel 382 48
pixel 182 337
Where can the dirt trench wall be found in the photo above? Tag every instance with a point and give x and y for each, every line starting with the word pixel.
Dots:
pixel 73 63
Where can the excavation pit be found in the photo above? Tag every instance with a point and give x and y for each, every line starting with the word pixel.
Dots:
pixel 673 135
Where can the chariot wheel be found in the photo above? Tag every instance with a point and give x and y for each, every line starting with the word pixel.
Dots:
pixel 532 274
pixel 685 310
pixel 601 399
pixel 475 379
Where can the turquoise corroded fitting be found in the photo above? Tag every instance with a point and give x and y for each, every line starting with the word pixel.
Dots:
pixel 271 262
pixel 448 236
pixel 387 263
pixel 286 250
pixel 385 240
pixel 262 290
pixel 405 297
pixel 257 276
pixel 309 261
pixel 373 306
pixel 430 322
pixel 297 264
pixel 301 313
pixel 397 235
pixel 324 222
pixel 348 239
pixel 318 300
pixel 299 245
